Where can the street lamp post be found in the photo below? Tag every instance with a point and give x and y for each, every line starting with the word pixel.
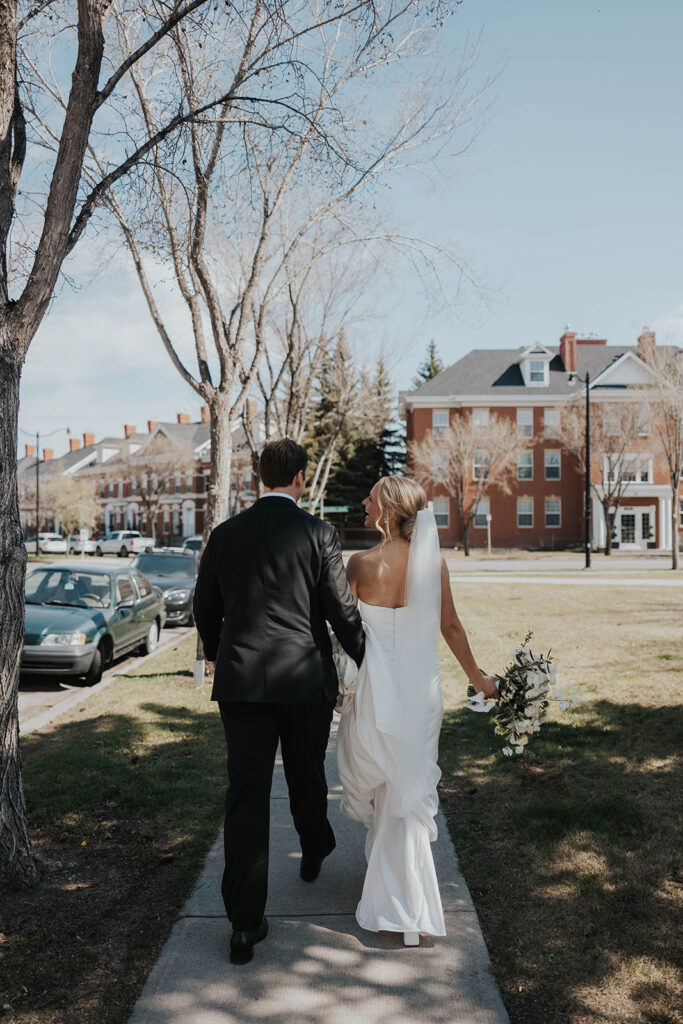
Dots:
pixel 37 436
pixel 587 540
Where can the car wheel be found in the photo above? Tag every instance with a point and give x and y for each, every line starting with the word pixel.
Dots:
pixel 94 673
pixel 124 551
pixel 150 642
pixel 98 551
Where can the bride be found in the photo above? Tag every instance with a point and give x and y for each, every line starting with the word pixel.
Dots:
pixel 389 732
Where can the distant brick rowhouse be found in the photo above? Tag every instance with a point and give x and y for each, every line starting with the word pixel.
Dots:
pixel 531 386
pixel 181 508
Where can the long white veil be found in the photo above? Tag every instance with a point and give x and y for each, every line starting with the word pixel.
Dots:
pixel 414 768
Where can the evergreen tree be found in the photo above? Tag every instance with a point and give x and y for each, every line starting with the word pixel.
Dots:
pixel 431 366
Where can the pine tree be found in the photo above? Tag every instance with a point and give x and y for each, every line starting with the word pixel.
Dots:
pixel 431 366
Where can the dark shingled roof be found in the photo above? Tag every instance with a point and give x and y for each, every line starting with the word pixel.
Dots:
pixel 496 372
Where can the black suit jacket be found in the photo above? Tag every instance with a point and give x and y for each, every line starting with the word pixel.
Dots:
pixel 268 580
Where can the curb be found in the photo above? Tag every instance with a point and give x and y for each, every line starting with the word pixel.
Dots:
pixel 45 717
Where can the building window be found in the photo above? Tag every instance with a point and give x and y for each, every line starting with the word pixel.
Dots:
pixel 681 514
pixel 188 483
pixel 525 513
pixel 644 421
pixel 525 422
pixel 634 469
pixel 551 422
pixel 482 514
pixel 480 465
pixel 165 520
pixel 525 466
pixel 553 513
pixel 176 521
pixel 102 489
pixel 480 420
pixel 207 482
pixel 133 487
pixel 537 371
pixel 441 510
pixel 552 465
pixel 110 489
pixel 439 422
pixel 611 418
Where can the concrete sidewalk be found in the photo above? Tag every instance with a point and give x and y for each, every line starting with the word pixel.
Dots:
pixel 317 966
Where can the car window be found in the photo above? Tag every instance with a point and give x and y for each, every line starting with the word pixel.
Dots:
pixel 142 584
pixel 69 587
pixel 125 591
pixel 167 565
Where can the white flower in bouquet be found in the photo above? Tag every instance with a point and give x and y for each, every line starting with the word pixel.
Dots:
pixel 524 698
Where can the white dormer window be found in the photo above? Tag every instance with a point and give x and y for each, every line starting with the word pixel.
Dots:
pixel 534 365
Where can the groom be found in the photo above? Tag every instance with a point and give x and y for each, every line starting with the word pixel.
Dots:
pixel 269 580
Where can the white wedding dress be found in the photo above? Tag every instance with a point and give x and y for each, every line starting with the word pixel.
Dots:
pixel 387 749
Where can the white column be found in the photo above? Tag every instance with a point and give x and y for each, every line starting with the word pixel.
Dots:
pixel 667 520
pixel 662 524
pixel 599 532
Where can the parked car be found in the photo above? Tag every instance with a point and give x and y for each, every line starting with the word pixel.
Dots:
pixel 175 574
pixel 193 543
pixel 75 548
pixel 78 620
pixel 123 543
pixel 48 544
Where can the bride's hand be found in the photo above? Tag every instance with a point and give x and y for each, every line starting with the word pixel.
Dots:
pixel 487 686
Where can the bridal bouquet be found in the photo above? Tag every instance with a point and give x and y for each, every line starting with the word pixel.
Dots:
pixel 525 698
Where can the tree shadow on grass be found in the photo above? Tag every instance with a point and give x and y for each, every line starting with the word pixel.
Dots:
pixel 122 810
pixel 573 856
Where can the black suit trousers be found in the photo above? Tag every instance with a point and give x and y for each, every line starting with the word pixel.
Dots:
pixel 252 731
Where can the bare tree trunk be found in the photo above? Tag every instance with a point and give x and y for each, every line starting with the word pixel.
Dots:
pixel 609 525
pixel 17 867
pixel 218 497
pixel 465 527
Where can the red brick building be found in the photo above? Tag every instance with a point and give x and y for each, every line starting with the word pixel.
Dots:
pixel 531 386
pixel 108 463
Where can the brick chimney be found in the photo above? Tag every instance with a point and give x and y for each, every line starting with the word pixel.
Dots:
pixel 48 453
pixel 88 439
pixel 30 450
pixel 74 444
pixel 568 350
pixel 205 414
pixel 151 425
pixel 129 429
pixel 647 346
pixel 184 417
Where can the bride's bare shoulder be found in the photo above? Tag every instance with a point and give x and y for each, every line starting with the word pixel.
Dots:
pixel 360 564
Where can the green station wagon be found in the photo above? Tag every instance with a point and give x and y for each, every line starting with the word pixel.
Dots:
pixel 78 620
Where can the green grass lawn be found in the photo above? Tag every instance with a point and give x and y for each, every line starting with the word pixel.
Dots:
pixel 573 852
pixel 125 797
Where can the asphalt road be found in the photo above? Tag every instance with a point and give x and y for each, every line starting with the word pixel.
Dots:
pixel 41 693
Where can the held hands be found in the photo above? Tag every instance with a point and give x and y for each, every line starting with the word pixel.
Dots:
pixel 487 686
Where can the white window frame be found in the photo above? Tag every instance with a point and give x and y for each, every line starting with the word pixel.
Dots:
pixel 175 521
pixel 480 420
pixel 525 429
pixel 527 465
pixel 558 524
pixel 525 501
pixel 480 521
pixel 441 507
pixel 439 428
pixel 553 452
pixel 554 429
pixel 611 419
pixel 479 460
pixel 533 369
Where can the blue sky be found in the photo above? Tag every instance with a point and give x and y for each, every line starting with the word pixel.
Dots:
pixel 569 206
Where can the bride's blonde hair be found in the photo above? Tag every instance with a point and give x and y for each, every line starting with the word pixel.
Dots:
pixel 405 497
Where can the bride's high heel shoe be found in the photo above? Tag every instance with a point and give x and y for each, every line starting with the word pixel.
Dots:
pixel 411 938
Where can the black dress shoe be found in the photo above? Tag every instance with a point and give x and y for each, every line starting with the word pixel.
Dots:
pixel 310 868
pixel 242 943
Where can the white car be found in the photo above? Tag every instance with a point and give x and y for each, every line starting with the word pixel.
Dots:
pixel 76 548
pixel 52 543
pixel 123 543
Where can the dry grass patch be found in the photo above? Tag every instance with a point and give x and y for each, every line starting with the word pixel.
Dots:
pixel 573 852
pixel 125 797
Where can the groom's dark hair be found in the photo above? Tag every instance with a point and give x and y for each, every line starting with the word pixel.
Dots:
pixel 280 461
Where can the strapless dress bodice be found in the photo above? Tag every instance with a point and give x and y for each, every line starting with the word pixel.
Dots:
pixel 387 625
